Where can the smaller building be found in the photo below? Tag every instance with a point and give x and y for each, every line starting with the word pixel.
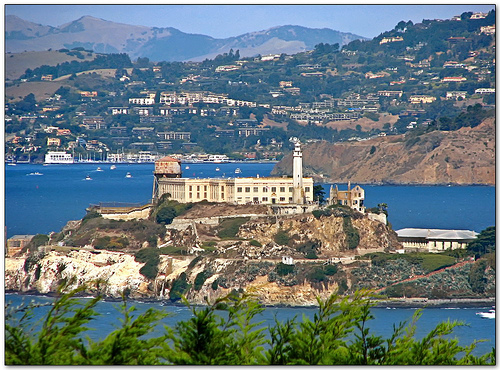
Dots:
pixel 353 198
pixel 434 240
pixel 16 243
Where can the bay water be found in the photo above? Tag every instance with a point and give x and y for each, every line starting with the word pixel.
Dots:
pixel 43 198
pixel 476 328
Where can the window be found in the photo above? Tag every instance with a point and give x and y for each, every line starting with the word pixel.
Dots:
pixel 255 189
pixel 198 188
pixel 264 199
pixel 290 199
pixel 273 189
pixel 222 188
pixel 282 199
pixel 282 189
pixel 308 189
pixel 205 188
pixel 247 189
pixel 265 189
pixel 205 195
pixel 190 187
pixel 190 195
pixel 256 199
pixel 239 189
pixel 290 190
pixel 198 195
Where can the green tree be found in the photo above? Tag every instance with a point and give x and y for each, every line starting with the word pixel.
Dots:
pixel 485 242
pixel 319 194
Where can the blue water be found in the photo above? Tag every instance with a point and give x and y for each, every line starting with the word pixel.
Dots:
pixel 478 328
pixel 43 203
pixel 39 204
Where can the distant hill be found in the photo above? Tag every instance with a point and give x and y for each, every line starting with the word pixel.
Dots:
pixel 465 156
pixel 162 44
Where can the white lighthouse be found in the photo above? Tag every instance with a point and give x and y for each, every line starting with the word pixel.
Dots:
pixel 298 189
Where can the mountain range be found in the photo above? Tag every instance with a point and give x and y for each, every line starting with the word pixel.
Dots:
pixel 162 44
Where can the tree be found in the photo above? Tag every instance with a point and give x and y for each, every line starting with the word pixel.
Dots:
pixel 319 194
pixel 485 242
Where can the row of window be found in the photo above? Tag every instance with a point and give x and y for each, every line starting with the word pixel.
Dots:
pixel 264 199
pixel 265 189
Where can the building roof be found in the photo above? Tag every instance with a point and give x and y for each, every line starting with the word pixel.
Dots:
pixel 437 234
pixel 168 159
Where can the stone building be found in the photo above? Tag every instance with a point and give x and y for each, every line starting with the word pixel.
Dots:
pixel 354 198
pixel 240 190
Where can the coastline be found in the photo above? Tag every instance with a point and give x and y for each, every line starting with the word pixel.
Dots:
pixel 386 303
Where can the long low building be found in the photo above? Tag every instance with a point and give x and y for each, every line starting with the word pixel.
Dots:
pixel 434 240
pixel 240 190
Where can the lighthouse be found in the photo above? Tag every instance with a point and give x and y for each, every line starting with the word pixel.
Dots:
pixel 298 189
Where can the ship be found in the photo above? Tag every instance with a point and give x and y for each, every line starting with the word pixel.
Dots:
pixel 59 158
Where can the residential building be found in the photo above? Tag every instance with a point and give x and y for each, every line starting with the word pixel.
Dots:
pixel 424 99
pixel 16 243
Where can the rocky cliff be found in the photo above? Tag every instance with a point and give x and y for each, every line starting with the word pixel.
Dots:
pixel 202 260
pixel 465 156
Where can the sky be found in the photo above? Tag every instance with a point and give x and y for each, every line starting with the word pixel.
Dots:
pixel 222 21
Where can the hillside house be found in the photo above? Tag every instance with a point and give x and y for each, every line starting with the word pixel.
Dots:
pixel 353 198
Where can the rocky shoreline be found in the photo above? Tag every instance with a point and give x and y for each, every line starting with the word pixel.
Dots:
pixel 390 303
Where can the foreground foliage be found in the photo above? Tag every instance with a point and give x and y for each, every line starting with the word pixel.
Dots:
pixel 227 332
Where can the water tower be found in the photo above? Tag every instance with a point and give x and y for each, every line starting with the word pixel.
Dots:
pixel 166 167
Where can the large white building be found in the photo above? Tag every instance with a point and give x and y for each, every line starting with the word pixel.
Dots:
pixel 239 190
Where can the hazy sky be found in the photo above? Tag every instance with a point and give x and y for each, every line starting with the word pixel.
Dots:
pixel 221 21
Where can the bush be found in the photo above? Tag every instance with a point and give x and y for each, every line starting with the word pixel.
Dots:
pixel 149 256
pixel 281 237
pixel 179 288
pixel 255 243
pixel 283 269
pixel 317 275
pixel 331 270
pixel 229 227
pixel 200 279
pixel 351 234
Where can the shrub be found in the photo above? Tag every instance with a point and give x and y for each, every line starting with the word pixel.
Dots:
pixel 331 270
pixel 229 227
pixel 200 279
pixel 351 234
pixel 281 237
pixel 149 256
pixel 255 243
pixel 283 269
pixel 179 287
pixel 317 275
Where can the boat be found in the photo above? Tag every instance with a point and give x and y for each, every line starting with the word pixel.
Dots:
pixel 128 175
pixel 487 315
pixel 237 170
pixel 187 167
pixel 11 164
pixel 217 169
pixel 59 158
pixel 113 167
pixel 99 169
pixel 35 174
pixel 88 178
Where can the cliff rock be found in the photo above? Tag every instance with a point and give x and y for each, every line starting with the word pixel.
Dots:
pixel 465 156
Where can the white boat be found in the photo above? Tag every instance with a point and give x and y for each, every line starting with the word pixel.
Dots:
pixel 487 315
pixel 113 167
pixel 99 169
pixel 217 169
pixel 35 174
pixel 88 178
pixel 59 158
pixel 128 175
pixel 237 170
pixel 187 167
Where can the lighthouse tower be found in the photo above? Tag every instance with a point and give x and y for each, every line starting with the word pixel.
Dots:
pixel 298 189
